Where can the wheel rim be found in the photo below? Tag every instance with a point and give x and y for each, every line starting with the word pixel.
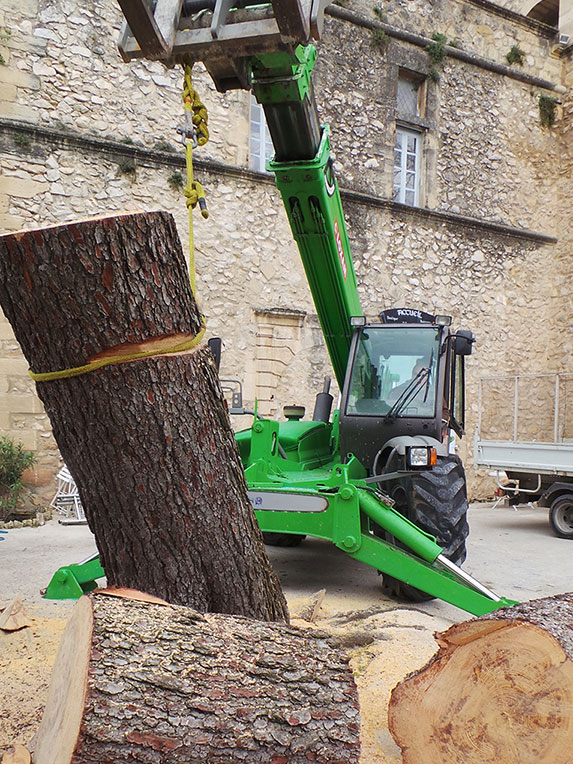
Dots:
pixel 563 516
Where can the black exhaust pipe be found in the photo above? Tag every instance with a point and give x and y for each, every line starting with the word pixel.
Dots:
pixel 323 405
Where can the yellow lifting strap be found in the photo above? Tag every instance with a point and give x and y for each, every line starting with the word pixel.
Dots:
pixel 196 128
pixel 77 371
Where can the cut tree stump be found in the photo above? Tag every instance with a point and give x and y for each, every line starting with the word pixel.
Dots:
pixel 500 689
pixel 148 441
pixel 136 681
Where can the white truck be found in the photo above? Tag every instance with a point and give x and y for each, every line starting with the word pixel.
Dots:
pixel 525 430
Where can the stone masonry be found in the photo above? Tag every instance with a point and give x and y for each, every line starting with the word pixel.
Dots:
pixel 82 133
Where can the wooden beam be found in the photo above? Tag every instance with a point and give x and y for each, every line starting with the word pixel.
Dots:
pixel 167 14
pixel 142 24
pixel 317 18
pixel 222 8
pixel 235 40
pixel 292 19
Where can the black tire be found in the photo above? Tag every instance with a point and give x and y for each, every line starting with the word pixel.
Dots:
pixel 436 501
pixel 561 516
pixel 283 539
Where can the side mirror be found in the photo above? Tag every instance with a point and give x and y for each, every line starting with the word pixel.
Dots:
pixel 215 344
pixel 463 341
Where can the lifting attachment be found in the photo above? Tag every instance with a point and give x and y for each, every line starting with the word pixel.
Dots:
pixel 223 34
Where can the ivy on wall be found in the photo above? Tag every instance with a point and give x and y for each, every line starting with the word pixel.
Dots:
pixel 547 110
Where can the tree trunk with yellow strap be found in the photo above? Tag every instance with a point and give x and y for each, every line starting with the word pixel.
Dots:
pixel 147 440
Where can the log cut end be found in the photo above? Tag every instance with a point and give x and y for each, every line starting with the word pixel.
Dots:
pixel 497 691
pixel 62 718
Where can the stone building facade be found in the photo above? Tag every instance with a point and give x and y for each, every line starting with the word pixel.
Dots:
pixel 487 239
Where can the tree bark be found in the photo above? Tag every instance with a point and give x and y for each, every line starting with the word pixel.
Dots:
pixel 151 683
pixel 148 442
pixel 500 689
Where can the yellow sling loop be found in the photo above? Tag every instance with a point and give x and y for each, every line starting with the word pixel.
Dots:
pixel 196 127
pixel 76 371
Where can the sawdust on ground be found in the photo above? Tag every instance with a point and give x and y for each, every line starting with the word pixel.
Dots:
pixel 26 660
pixel 384 646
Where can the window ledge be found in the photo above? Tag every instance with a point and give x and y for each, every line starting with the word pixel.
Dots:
pixel 414 122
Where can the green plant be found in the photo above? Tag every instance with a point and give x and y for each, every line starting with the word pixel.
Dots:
pixel 4 36
pixel 22 141
pixel 127 140
pixel 127 167
pixel 163 146
pixel 379 12
pixel 437 48
pixel 547 110
pixel 175 181
pixel 14 459
pixel 436 51
pixel 515 56
pixel 379 39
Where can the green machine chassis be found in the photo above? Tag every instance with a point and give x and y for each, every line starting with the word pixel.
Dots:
pixel 297 481
pixel 298 488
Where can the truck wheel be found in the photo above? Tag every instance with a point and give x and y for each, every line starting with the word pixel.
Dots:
pixel 436 501
pixel 283 539
pixel 561 516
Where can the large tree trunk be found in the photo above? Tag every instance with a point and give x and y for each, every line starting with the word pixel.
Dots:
pixel 157 684
pixel 148 442
pixel 500 689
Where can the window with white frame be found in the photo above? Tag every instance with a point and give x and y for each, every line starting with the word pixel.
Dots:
pixel 407 149
pixel 260 145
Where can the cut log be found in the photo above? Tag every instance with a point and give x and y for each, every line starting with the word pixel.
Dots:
pixel 500 689
pixel 136 681
pixel 148 441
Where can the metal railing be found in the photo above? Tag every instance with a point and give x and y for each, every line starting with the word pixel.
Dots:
pixel 507 450
pixel 559 406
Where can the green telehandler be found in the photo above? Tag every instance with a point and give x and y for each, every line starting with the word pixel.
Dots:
pixel 376 476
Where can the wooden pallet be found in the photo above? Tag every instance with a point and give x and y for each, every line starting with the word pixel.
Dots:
pixel 224 34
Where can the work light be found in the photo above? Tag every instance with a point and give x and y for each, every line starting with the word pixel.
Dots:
pixel 419 457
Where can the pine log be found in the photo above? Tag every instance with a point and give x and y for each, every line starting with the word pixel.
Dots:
pixel 499 689
pixel 136 681
pixel 148 442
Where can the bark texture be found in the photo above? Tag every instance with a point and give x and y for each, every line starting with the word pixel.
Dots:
pixel 500 689
pixel 158 684
pixel 149 442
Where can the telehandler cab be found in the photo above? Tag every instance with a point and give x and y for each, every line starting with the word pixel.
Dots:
pixel 376 476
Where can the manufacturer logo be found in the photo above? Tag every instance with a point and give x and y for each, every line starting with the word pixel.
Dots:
pixel 340 248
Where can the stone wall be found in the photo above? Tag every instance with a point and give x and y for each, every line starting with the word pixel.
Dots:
pixel 479 27
pixel 81 133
